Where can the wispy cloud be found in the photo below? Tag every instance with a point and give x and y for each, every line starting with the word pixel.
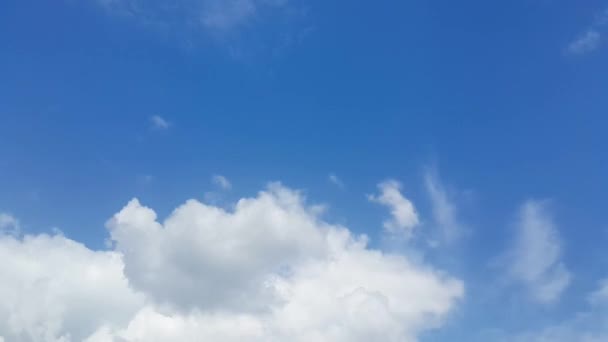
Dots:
pixel 159 122
pixel 245 29
pixel 535 259
pixel 335 180
pixel 215 15
pixel 227 14
pixel 9 224
pixel 587 42
pixel 591 39
pixel 585 326
pixel 600 296
pixel 404 216
pixel 221 182
pixel 144 179
pixel 445 213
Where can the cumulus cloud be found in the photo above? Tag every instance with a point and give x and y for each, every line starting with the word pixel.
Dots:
pixel 270 269
pixel 536 255
pixel 404 215
pixel 55 289
pixel 585 43
pixel 222 182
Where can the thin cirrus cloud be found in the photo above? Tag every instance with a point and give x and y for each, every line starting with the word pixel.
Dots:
pixel 535 258
pixel 206 15
pixel 600 296
pixel 444 209
pixel 9 224
pixel 588 325
pixel 222 182
pixel 404 217
pixel 159 123
pixel 270 269
pixel 591 39
pixel 587 42
pixel 335 180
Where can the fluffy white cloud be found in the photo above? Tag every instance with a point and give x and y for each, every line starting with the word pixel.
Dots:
pixel 55 289
pixel 536 255
pixel 270 269
pixel 204 256
pixel 404 216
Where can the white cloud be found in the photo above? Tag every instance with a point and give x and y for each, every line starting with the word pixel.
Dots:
pixel 222 182
pixel 269 270
pixel 55 289
pixel 159 123
pixel 9 224
pixel 404 215
pixel 444 210
pixel 204 256
pixel 587 42
pixel 536 256
pixel 335 180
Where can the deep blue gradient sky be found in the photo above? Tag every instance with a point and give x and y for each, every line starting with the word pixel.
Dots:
pixel 486 93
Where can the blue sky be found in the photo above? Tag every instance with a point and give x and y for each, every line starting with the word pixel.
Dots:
pixel 501 105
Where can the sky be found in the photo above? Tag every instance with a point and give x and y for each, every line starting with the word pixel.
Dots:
pixel 290 170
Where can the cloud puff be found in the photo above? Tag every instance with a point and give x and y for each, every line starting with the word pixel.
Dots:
pixel 404 216
pixel 585 43
pixel 536 255
pixel 270 269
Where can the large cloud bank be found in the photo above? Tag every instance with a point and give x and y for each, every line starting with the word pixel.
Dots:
pixel 270 269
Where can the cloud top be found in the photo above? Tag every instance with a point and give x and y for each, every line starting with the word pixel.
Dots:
pixel 404 216
pixel 270 269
